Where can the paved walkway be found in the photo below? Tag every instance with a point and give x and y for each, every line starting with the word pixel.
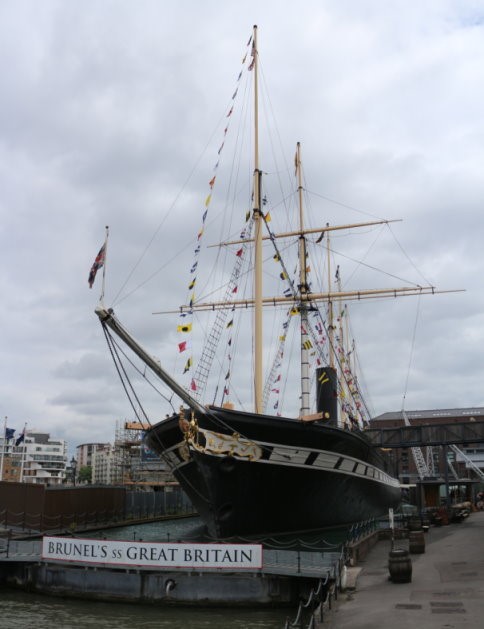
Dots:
pixel 446 591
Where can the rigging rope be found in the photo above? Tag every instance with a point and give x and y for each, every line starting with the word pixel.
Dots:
pixel 123 375
pixel 411 352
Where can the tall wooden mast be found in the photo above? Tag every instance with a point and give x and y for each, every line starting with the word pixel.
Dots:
pixel 330 304
pixel 258 340
pixel 303 292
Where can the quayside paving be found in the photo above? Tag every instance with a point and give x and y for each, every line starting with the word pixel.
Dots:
pixel 446 590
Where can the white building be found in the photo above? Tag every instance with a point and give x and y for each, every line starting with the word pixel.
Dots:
pixel 471 456
pixel 42 460
pixel 84 453
pixel 106 466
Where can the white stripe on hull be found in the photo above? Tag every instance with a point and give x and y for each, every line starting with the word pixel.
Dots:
pixel 321 460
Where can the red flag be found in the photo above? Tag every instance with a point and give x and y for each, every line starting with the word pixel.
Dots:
pixel 182 346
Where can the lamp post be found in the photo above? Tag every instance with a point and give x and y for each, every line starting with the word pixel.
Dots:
pixel 73 470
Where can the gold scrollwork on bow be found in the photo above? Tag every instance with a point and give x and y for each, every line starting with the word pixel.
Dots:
pixel 232 445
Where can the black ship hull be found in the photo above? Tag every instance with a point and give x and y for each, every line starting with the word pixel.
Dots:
pixel 250 474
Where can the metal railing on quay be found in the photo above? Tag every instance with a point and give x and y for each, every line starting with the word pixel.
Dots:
pixel 32 523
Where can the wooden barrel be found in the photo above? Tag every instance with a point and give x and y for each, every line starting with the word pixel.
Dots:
pixel 416 542
pixel 414 524
pixel 400 566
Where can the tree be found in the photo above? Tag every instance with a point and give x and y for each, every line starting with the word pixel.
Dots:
pixel 85 474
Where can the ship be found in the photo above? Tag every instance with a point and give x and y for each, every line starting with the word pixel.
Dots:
pixel 260 471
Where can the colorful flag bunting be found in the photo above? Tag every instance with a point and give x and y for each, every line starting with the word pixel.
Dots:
pixel 185 328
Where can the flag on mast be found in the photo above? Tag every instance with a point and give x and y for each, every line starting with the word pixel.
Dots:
pixel 21 438
pixel 98 263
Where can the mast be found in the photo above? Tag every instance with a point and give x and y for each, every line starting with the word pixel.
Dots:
pixel 345 389
pixel 303 291
pixel 330 305
pixel 4 446
pixel 258 387
pixel 24 454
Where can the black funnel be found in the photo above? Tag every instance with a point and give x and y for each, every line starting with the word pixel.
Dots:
pixel 327 394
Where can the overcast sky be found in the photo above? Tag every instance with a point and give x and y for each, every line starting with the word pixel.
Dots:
pixel 106 106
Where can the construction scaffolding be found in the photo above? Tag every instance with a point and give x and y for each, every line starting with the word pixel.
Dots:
pixel 136 464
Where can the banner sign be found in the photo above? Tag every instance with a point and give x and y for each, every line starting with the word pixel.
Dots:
pixel 151 554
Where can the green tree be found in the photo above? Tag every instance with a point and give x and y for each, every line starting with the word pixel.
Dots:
pixel 85 474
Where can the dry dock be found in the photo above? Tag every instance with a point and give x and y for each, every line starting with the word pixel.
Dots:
pixel 194 574
pixel 446 591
